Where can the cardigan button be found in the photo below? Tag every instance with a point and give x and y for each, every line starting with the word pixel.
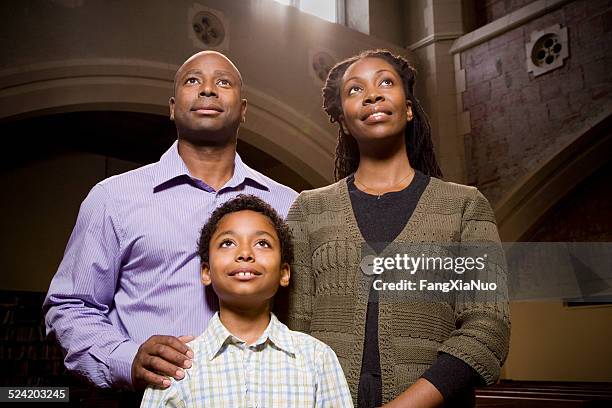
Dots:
pixel 367 265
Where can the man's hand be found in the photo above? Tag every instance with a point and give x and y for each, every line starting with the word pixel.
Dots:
pixel 158 358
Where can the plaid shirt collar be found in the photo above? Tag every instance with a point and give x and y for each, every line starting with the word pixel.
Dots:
pixel 218 337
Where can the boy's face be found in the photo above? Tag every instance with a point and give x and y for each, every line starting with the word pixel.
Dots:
pixel 245 259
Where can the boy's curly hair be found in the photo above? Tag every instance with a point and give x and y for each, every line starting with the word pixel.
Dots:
pixel 241 203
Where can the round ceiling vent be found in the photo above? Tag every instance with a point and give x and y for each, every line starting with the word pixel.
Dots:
pixel 322 63
pixel 208 28
pixel 547 50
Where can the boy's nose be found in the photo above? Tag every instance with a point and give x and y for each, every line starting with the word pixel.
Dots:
pixel 245 256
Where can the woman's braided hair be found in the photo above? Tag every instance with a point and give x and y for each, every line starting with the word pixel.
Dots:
pixel 417 133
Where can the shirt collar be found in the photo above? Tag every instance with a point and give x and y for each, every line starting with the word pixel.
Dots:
pixel 218 336
pixel 243 172
pixel 171 166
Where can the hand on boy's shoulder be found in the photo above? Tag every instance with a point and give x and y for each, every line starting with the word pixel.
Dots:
pixel 160 357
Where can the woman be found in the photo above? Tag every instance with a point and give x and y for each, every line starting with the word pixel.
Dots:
pixel 407 352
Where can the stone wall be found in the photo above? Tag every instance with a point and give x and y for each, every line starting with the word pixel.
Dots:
pixel 519 121
pixel 489 10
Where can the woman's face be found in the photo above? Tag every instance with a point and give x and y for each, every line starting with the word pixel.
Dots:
pixel 374 104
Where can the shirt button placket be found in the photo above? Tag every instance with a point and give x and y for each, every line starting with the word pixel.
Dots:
pixel 250 356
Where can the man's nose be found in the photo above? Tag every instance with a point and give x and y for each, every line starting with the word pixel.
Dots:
pixel 207 89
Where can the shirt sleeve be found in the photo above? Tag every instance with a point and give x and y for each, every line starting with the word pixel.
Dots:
pixel 81 293
pixel 332 388
pixel 482 318
pixel 160 398
pixel 451 376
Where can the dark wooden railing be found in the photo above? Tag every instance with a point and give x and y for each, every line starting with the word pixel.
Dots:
pixel 553 394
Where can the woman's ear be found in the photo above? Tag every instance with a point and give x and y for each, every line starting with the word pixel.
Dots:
pixel 342 124
pixel 409 114
pixel 205 274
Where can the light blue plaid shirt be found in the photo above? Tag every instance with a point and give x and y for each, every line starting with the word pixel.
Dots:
pixel 283 368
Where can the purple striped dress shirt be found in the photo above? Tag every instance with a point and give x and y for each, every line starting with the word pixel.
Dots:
pixel 130 269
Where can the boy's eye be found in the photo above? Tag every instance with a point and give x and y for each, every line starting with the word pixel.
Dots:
pixel 226 243
pixel 224 83
pixel 263 243
pixel 353 90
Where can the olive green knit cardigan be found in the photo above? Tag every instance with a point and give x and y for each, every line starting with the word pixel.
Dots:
pixel 328 294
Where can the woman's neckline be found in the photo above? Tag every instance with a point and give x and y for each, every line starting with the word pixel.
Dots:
pixel 353 189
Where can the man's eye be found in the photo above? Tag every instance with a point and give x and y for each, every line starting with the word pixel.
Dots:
pixel 192 81
pixel 263 243
pixel 386 82
pixel 354 90
pixel 224 82
pixel 226 243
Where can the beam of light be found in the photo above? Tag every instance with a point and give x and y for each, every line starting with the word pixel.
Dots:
pixel 325 9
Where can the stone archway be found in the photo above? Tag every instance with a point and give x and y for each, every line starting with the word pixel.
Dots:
pixel 108 84
pixel 520 211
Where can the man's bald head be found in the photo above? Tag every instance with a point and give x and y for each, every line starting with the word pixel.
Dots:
pixel 202 56
pixel 207 106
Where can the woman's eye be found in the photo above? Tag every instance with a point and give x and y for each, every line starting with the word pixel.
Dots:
pixel 263 243
pixel 226 243
pixel 223 82
pixel 386 82
pixel 353 90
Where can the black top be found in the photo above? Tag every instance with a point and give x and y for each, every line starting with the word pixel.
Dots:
pixel 380 220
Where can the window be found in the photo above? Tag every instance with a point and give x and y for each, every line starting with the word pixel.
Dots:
pixel 325 9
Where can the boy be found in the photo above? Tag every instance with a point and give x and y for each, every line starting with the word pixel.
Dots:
pixel 246 357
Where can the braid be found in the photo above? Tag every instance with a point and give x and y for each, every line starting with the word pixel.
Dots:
pixel 417 133
pixel 347 155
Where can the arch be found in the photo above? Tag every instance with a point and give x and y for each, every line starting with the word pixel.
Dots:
pixel 525 205
pixel 145 86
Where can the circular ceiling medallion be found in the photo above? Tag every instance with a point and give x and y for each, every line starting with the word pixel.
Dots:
pixel 547 50
pixel 322 63
pixel 208 28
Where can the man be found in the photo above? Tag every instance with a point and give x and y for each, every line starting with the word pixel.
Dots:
pixel 130 270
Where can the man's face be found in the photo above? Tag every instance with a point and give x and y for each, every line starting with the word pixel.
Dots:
pixel 207 106
pixel 245 265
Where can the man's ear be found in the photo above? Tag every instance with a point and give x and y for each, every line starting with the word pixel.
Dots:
pixel 171 103
pixel 243 111
pixel 285 274
pixel 409 114
pixel 205 274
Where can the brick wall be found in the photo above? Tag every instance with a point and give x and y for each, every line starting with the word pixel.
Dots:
pixel 518 121
pixel 489 10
